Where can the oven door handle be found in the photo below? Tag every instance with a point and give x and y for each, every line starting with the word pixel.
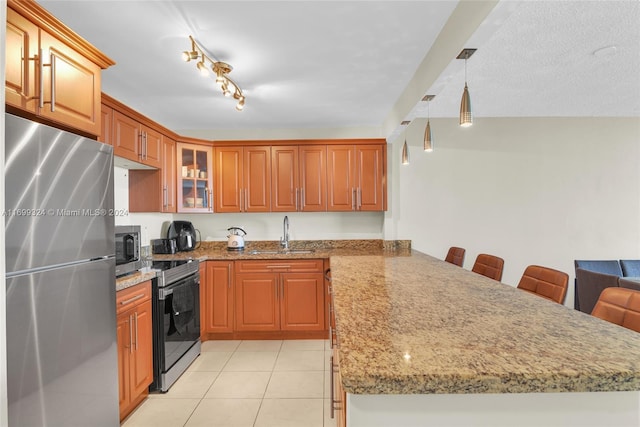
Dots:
pixel 163 293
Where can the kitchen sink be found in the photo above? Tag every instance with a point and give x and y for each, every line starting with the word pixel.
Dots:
pixel 282 252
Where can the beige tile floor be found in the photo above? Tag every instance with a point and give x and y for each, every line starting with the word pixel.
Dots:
pixel 246 383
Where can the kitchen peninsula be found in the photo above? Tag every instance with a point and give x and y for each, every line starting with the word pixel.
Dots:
pixel 423 342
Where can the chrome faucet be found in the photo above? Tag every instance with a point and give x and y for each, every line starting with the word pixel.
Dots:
pixel 284 241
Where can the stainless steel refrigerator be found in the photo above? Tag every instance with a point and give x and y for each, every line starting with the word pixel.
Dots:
pixel 62 362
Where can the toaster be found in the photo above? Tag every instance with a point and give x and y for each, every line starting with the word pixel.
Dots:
pixel 163 246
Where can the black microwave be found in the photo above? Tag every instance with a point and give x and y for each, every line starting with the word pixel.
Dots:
pixel 128 258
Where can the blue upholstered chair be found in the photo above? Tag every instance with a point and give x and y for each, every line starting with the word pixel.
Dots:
pixel 630 267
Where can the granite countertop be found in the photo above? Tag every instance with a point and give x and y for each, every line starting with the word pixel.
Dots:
pixel 135 278
pixel 270 249
pixel 418 325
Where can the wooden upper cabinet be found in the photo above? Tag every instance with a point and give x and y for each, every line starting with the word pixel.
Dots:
pixel 257 179
pixel 126 136
pixel 20 62
pixel 370 177
pixel 285 186
pixel 169 164
pixel 195 178
pixel 54 79
pixel 228 182
pixel 243 179
pixel 151 142
pixel 356 177
pixel 136 141
pixel 70 91
pixel 341 178
pixel 298 178
pixel 105 125
pixel 313 178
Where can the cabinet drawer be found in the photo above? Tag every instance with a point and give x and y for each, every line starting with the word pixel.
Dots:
pixel 130 297
pixel 280 265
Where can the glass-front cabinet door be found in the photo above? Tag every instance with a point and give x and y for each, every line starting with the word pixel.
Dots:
pixel 195 178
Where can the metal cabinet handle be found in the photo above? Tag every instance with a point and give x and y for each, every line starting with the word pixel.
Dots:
pixel 211 200
pixel 246 200
pixel 297 208
pixel 302 199
pixel 241 200
pixel 136 318
pixel 359 198
pixel 141 153
pixel 137 297
pixel 166 197
pixel 335 403
pixel 331 396
pixel 353 199
pixel 130 335
pixel 53 85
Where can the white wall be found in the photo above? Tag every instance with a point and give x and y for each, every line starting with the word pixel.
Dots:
pixel 259 226
pixel 532 191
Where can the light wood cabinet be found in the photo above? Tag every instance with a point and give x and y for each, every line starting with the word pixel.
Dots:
pixel 168 158
pixel 243 179
pixel 54 79
pixel 217 297
pixel 338 398
pixel 154 190
pixel 105 124
pixel 135 141
pixel 275 295
pixel 21 53
pixel 195 177
pixel 356 177
pixel 299 178
pixel 135 345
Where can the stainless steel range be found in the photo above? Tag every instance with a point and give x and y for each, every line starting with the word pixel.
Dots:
pixel 176 320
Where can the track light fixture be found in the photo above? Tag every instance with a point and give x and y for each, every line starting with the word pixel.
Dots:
pixel 428 140
pixel 220 69
pixel 466 116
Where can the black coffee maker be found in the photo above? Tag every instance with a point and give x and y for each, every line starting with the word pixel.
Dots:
pixel 184 234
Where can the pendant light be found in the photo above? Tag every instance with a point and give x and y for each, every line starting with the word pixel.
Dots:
pixel 428 139
pixel 405 153
pixel 466 116
pixel 405 148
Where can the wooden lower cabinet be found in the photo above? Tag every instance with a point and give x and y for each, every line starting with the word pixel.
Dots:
pixel 280 295
pixel 217 297
pixel 338 399
pixel 135 345
pixel 263 299
pixel 257 302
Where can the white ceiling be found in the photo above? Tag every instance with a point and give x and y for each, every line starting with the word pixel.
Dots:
pixel 330 64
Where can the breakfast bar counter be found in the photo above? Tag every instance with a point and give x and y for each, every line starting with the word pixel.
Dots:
pixel 424 342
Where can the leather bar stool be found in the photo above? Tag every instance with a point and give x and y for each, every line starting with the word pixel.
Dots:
pixel 455 256
pixel 620 306
pixel 545 282
pixel 489 265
